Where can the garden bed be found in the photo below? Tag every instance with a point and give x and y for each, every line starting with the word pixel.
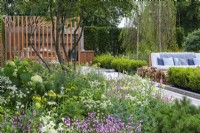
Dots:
pixel 34 100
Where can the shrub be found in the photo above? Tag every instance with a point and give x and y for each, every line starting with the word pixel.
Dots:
pixel 104 60
pixel 186 78
pixel 121 64
pixel 118 63
pixel 193 41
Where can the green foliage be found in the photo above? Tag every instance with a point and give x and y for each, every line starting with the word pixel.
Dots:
pixel 164 117
pixel 180 36
pixel 102 39
pixel 104 60
pixel 122 64
pixel 118 63
pixel 193 41
pixel 187 15
pixel 186 78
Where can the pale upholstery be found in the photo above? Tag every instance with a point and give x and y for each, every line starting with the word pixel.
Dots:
pixel 174 55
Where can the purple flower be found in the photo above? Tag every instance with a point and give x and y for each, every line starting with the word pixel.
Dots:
pixel 67 122
pixel 118 88
pixel 34 113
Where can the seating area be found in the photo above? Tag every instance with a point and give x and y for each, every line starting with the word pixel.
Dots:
pixel 165 60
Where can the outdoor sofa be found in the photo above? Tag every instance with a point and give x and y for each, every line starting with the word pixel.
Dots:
pixel 165 60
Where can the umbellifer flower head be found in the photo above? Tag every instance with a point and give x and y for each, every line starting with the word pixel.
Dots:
pixel 36 79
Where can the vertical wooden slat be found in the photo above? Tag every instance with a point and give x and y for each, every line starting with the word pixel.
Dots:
pixel 71 35
pixel 51 42
pixel 10 49
pixel 6 38
pixel 18 18
pixel 47 41
pixel 59 37
pixel 55 35
pixel 63 55
pixel 35 36
pixel 43 39
pixel 27 50
pixel 75 50
pixel 31 38
pixel 67 38
pixel 79 44
pixel 22 26
pixel 39 35
pixel 6 41
pixel 14 31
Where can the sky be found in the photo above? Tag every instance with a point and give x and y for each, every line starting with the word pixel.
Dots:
pixel 122 24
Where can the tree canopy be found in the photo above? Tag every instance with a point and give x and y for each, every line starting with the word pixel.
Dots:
pixel 96 13
pixel 188 15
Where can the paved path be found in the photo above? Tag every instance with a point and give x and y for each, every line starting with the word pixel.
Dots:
pixel 111 74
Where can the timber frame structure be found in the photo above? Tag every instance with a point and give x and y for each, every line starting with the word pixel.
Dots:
pixel 16 31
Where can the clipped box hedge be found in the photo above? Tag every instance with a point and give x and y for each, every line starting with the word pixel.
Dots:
pixel 103 60
pixel 118 63
pixel 186 78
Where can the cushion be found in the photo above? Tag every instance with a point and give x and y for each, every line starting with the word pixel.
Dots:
pixel 181 55
pixel 160 61
pixel 196 61
pixel 168 61
pixel 190 62
pixel 183 62
pixel 177 62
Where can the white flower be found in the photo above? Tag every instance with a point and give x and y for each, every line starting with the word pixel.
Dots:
pixel 103 96
pixel 10 63
pixel 36 79
pixel 52 131
pixel 51 103
pixel 52 124
pixel 60 127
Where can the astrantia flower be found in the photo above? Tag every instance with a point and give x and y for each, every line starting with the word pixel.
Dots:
pixel 36 79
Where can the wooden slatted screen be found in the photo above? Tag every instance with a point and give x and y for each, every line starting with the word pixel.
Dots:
pixel 22 32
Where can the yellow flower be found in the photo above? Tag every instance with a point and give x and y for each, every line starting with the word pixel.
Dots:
pixel 125 88
pixel 38 105
pixel 52 93
pixel 37 98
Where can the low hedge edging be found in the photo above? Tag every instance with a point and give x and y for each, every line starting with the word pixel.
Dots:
pixel 118 63
pixel 186 78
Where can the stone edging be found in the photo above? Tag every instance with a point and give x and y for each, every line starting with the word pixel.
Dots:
pixel 180 91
